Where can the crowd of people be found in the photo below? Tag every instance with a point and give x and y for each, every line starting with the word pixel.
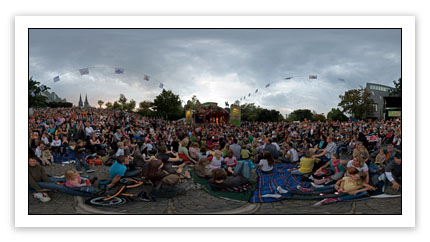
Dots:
pixel 163 152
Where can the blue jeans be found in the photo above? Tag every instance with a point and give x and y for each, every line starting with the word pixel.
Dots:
pixel 131 173
pixel 58 188
pixel 349 197
pixel 87 189
pixel 297 172
pixel 243 168
pixel 84 162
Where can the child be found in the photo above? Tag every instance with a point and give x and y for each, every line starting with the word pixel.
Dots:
pixel 47 158
pixel 230 160
pixel 380 158
pixel 225 150
pixel 80 157
pixel 244 153
pixel 306 164
pixel 193 150
pixel 203 153
pixel 74 181
pixel 216 160
pixel 334 165
pixel 203 168
pixel 221 182
pixel 266 164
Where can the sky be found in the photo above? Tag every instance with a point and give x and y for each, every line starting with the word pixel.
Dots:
pixel 216 65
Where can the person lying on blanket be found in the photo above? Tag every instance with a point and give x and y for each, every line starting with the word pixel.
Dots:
pixel 337 168
pixel 353 186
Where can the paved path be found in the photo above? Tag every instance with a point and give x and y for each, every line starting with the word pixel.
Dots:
pixel 197 201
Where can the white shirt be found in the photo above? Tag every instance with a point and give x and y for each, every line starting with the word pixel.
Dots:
pixel 265 165
pixel 56 142
pixel 89 130
pixel 119 152
pixel 294 156
pixel 277 146
pixel 45 140
pixel 364 168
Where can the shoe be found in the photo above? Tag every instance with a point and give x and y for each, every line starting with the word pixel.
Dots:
pixel 90 171
pixel 300 188
pixel 316 185
pixel 281 190
pixel 277 196
pixel 43 197
pixel 144 197
pixel 329 200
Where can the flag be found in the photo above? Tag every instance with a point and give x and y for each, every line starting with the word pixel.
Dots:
pixel 240 99
pixel 361 86
pixel 161 85
pixel 244 97
pixel 340 79
pixel 249 94
pixel 146 78
pixel 256 90
pixel 57 79
pixel 313 77
pixel 119 70
pixel 226 104
pixel 288 78
pixel 84 71
pixel 268 85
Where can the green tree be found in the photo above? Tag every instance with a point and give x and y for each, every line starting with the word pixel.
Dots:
pixel 168 105
pixel 109 105
pixel 130 106
pixel 116 106
pixel 357 102
pixel 249 112
pixel 35 97
pixel 193 104
pixel 336 115
pixel 300 115
pixel 100 103
pixel 122 99
pixel 318 117
pixel 397 90
pixel 145 109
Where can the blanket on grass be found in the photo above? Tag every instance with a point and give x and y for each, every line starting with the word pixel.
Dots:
pixel 268 183
pixel 240 196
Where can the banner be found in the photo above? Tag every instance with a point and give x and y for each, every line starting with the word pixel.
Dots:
pixel 313 77
pixel 84 71
pixel 188 117
pixel 235 115
pixel 146 78
pixel 161 85
pixel 119 70
pixel 57 79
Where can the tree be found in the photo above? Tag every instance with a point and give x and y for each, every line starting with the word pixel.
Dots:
pixel 357 102
pixel 122 99
pixel 145 109
pixel 336 115
pixel 130 106
pixel 397 90
pixel 193 104
pixel 100 103
pixel 108 105
pixel 318 117
pixel 116 106
pixel 168 105
pixel 300 115
pixel 35 97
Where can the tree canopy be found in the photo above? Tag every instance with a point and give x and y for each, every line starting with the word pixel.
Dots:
pixel 35 97
pixel 397 90
pixel 300 115
pixel 193 104
pixel 357 102
pixel 168 105
pixel 336 115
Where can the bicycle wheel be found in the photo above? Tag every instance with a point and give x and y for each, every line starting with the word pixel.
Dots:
pixel 99 201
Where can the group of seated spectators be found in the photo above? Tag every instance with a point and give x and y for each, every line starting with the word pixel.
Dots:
pixel 163 152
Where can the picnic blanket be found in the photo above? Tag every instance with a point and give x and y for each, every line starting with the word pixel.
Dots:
pixel 240 196
pixel 280 176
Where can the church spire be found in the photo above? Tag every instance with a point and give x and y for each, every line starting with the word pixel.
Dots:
pixel 86 104
pixel 80 101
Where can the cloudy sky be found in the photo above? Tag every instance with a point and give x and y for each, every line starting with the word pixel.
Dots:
pixel 216 65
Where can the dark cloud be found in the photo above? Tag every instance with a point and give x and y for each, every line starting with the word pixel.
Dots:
pixel 217 65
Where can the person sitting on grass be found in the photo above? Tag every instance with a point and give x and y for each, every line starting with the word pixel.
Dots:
pixel 183 151
pixel 352 186
pixel 74 181
pixel 217 160
pixel 203 168
pixel 306 164
pixel 118 170
pixel 221 182
pixel 266 163
pixel 336 168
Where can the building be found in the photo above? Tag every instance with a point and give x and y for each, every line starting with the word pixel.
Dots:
pixel 386 106
pixel 85 104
